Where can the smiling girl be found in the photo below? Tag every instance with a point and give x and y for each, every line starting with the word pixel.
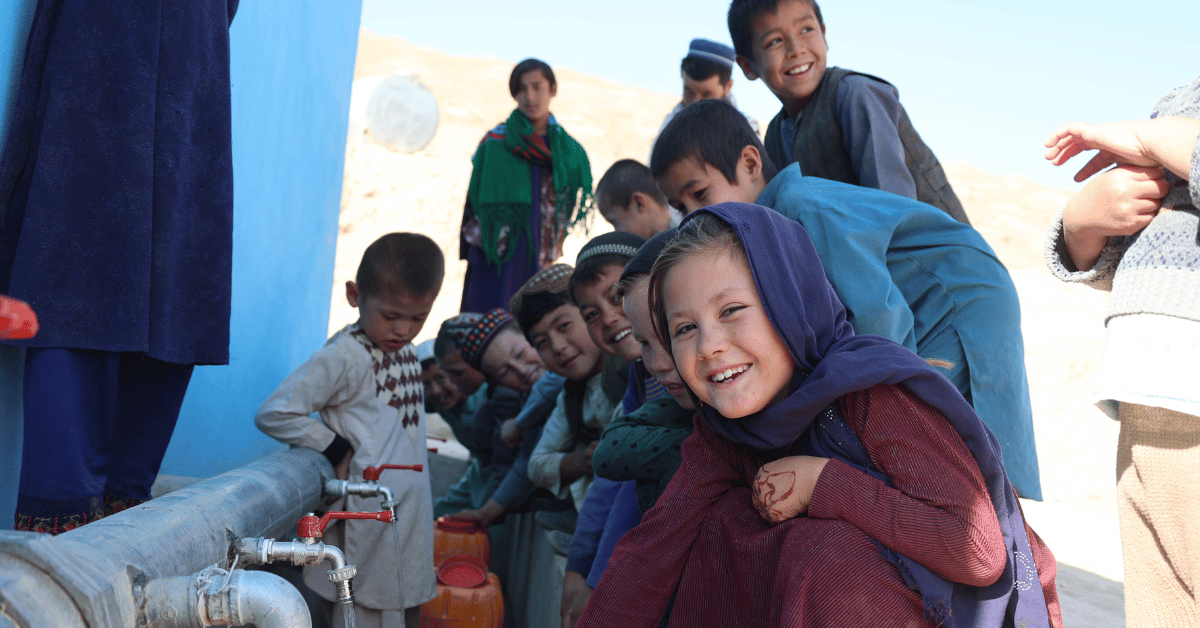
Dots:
pixel 833 479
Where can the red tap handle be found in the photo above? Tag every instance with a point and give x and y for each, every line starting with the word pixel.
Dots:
pixel 17 320
pixel 372 473
pixel 310 527
pixel 438 438
pixel 432 450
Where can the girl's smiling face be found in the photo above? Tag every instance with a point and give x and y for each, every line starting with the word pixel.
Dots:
pixel 725 347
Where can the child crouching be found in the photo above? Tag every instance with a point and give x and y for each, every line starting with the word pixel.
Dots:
pixel 833 479
pixel 365 384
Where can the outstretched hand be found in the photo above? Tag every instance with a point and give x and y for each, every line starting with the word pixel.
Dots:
pixel 783 488
pixel 1119 143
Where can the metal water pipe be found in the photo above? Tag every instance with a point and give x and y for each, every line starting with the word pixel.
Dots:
pixel 94 576
pixel 218 598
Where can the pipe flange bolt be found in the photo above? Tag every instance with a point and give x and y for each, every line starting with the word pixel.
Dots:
pixel 343 574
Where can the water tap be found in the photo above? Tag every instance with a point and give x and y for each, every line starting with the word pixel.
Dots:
pixel 307 550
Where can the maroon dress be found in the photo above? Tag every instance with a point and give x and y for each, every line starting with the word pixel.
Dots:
pixel 826 568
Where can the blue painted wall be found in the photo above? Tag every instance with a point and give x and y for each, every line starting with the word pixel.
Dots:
pixel 292 63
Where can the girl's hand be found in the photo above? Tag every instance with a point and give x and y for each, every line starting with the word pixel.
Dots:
pixel 783 488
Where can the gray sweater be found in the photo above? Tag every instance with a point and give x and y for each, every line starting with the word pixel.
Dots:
pixel 1157 270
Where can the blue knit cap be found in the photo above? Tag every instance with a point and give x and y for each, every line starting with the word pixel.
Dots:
pixel 711 50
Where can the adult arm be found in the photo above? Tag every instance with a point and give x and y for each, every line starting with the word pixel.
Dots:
pixel 325 380
pixel 1123 200
pixel 869 112
pixel 648 562
pixel 939 512
pixel 1172 142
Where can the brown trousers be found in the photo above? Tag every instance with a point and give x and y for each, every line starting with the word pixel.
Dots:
pixel 1158 503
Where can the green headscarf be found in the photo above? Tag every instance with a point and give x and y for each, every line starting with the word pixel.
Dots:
pixel 501 191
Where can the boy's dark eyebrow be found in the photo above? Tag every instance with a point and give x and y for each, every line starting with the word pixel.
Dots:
pixel 687 186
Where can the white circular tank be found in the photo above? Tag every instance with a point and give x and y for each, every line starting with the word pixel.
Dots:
pixel 402 113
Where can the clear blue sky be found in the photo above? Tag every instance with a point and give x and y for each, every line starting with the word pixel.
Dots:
pixel 984 81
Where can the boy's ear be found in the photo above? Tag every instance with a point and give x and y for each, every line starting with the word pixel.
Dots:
pixel 637 203
pixel 554 90
pixel 352 293
pixel 751 161
pixel 747 66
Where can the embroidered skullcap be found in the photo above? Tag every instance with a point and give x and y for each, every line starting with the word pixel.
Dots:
pixel 643 261
pixel 474 332
pixel 711 50
pixel 456 327
pixel 425 351
pixel 553 279
pixel 611 243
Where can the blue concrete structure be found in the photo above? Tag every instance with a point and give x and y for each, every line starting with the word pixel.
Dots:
pixel 292 63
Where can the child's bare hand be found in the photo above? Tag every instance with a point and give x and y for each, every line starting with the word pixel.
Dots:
pixel 1119 202
pixel 575 596
pixel 511 433
pixel 783 488
pixel 1118 143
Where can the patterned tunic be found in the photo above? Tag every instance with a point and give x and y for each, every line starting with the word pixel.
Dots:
pixel 375 400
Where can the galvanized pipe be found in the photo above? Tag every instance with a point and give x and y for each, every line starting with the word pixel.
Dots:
pixel 100 565
pixel 239 598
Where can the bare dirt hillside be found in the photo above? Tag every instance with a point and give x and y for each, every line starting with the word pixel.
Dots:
pixel 1063 325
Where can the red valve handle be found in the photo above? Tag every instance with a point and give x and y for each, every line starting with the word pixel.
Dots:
pixel 437 438
pixel 17 320
pixel 432 450
pixel 310 527
pixel 372 473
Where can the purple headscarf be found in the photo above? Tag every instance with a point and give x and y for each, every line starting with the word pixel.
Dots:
pixel 832 361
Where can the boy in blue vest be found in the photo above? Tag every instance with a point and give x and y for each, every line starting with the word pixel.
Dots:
pixel 836 123
pixel 903 269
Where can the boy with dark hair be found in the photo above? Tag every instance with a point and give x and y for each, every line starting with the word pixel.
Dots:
pixel 561 460
pixel 837 124
pixel 593 288
pixel 365 384
pixel 441 393
pixel 707 73
pixel 630 201
pixel 904 270
pixel 496 482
